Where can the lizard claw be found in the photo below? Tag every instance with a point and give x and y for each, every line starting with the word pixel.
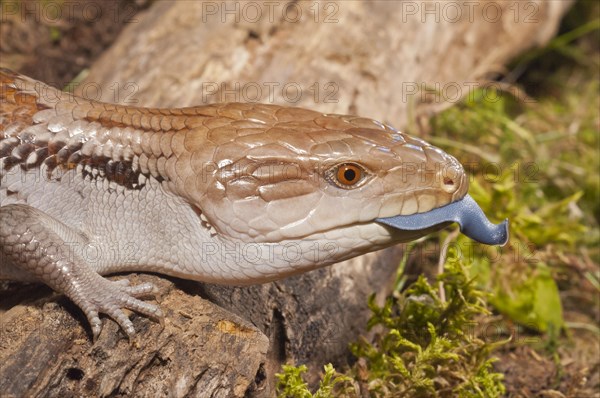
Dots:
pixel 111 298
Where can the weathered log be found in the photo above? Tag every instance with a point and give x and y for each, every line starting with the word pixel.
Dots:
pixel 378 59
pixel 201 350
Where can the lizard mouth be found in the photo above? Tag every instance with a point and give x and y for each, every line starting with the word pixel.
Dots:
pixel 466 212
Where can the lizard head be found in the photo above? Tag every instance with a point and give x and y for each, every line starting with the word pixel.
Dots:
pixel 288 175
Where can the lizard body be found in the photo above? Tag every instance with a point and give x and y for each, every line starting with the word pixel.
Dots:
pixel 225 193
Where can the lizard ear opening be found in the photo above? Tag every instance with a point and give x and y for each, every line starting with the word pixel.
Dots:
pixel 204 220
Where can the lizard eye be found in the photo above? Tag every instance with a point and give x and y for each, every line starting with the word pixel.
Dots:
pixel 346 175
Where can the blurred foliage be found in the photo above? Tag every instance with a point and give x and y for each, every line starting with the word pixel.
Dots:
pixel 537 164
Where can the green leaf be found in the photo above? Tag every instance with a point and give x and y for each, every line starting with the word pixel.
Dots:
pixel 534 303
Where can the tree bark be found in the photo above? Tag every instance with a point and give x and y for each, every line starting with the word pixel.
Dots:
pixel 391 61
pixel 201 350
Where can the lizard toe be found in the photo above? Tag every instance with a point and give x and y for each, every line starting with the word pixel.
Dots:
pixel 143 289
pixel 95 323
pixel 122 320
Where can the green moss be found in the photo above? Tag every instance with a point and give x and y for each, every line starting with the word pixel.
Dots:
pixel 426 346
pixel 291 385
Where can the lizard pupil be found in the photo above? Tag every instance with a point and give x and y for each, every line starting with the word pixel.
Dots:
pixel 349 174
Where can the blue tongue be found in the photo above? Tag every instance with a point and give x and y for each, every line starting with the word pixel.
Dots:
pixel 466 212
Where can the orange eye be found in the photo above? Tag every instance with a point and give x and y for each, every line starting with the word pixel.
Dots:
pixel 349 174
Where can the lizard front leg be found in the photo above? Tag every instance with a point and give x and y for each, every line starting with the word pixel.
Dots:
pixel 43 247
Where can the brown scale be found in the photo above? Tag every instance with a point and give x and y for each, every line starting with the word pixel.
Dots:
pixel 55 154
pixel 17 107
pixel 96 166
pixel 16 113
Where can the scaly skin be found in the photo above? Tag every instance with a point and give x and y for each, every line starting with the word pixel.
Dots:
pixel 227 193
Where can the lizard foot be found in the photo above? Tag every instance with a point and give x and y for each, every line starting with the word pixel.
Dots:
pixel 41 246
pixel 110 298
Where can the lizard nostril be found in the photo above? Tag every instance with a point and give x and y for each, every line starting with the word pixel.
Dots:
pixel 449 179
